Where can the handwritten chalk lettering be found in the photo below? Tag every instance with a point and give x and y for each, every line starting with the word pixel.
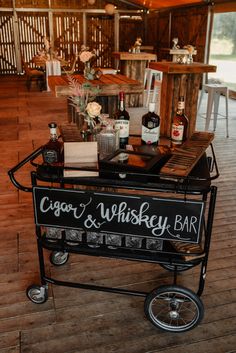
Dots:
pixel 186 223
pixel 58 207
pixel 121 213
pixel 91 223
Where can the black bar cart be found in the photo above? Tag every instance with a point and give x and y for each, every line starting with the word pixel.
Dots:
pixel 151 217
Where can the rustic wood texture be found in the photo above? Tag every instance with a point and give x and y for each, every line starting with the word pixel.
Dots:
pixel 179 80
pixel 186 157
pixel 74 320
pixel 133 64
pixel 129 30
pixel 188 24
pixel 109 88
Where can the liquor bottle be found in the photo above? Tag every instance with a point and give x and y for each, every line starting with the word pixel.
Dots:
pixel 150 127
pixel 179 125
pixel 122 122
pixel 53 150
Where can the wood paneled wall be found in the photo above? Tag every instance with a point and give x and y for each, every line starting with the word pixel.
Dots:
pixel 69 24
pixel 188 24
pixel 69 29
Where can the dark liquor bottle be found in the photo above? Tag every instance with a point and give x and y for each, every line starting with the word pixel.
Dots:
pixel 53 150
pixel 150 127
pixel 122 122
pixel 179 126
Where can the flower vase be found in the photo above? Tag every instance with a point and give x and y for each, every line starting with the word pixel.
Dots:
pixel 88 72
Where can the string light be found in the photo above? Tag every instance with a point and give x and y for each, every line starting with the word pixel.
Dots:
pixel 91 2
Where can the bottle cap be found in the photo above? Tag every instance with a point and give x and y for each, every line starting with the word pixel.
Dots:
pixel 52 125
pixel 122 94
pixel 151 107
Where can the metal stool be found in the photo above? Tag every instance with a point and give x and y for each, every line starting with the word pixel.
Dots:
pixel 149 75
pixel 214 91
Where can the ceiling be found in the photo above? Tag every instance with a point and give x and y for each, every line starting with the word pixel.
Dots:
pixel 162 4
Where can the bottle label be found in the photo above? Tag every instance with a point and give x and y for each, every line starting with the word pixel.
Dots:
pixel 50 156
pixel 177 133
pixel 123 127
pixel 150 136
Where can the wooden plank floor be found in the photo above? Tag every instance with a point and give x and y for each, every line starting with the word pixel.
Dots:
pixel 74 320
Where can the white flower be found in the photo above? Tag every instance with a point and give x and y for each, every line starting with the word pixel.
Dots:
pixel 86 56
pixel 93 109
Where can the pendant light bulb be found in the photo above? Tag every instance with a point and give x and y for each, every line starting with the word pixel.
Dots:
pixel 110 9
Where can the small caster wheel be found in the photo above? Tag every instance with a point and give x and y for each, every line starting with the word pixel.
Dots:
pixel 179 268
pixel 37 294
pixel 174 308
pixel 59 258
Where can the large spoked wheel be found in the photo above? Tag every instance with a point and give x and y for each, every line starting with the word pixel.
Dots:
pixel 59 258
pixel 179 268
pixel 37 294
pixel 174 308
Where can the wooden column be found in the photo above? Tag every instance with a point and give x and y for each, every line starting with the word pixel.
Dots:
pixel 179 79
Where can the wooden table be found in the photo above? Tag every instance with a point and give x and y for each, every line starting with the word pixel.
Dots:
pixel 180 80
pixel 109 85
pixel 133 64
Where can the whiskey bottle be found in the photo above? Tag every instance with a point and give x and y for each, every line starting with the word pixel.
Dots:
pixel 122 122
pixel 179 125
pixel 53 150
pixel 150 127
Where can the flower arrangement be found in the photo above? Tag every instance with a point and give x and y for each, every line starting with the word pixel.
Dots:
pixel 86 57
pixel 83 96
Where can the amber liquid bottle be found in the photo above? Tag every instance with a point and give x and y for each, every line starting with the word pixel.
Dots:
pixel 122 122
pixel 53 150
pixel 179 126
pixel 150 127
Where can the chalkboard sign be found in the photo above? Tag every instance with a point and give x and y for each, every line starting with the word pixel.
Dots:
pixel 162 218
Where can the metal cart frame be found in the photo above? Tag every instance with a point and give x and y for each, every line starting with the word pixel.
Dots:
pixel 171 307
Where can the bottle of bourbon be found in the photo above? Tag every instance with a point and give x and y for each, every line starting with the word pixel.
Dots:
pixel 150 127
pixel 179 126
pixel 53 150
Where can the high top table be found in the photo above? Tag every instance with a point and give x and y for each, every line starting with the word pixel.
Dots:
pixel 133 64
pixel 179 80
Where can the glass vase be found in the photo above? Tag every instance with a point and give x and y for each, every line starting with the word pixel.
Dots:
pixel 88 72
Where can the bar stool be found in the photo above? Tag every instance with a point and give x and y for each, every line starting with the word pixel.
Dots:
pixel 214 91
pixel 149 76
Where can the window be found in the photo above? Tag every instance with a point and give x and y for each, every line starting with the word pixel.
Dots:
pixel 223 48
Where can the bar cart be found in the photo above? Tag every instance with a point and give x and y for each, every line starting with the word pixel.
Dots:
pixel 159 214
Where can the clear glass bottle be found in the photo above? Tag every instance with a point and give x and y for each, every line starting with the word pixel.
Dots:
pixel 108 141
pixel 122 121
pixel 150 127
pixel 53 150
pixel 179 126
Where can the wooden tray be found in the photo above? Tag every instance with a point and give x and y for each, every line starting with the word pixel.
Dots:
pixel 186 157
pixel 70 133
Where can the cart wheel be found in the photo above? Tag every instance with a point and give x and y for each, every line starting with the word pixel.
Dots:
pixel 59 258
pixel 37 294
pixel 179 268
pixel 174 308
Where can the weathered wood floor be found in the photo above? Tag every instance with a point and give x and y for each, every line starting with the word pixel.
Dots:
pixel 74 320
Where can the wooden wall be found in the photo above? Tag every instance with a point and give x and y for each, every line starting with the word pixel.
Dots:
pixel 73 22
pixel 68 23
pixel 188 24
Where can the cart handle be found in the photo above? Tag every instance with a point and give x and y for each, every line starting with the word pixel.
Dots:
pixel 13 170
